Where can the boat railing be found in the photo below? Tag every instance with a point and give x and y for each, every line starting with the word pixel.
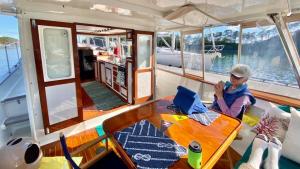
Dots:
pixel 10 60
pixel 217 48
pixel 213 49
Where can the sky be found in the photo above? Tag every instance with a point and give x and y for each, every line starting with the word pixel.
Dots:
pixel 9 26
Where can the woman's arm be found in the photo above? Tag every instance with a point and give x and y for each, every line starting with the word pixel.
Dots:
pixel 235 108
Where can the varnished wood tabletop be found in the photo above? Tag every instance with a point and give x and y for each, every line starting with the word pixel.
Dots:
pixel 214 139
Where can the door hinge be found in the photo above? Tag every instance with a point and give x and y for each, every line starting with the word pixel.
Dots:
pixel 47 130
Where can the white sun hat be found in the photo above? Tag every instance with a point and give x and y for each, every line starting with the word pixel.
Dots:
pixel 241 70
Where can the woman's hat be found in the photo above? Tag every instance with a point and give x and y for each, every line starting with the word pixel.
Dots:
pixel 241 70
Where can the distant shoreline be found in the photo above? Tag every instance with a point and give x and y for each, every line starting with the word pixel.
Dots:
pixel 4 40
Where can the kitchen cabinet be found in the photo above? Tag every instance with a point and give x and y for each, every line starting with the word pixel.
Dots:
pixel 108 76
pixel 115 77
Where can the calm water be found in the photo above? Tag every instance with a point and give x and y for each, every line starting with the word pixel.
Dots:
pixel 12 58
pixel 275 69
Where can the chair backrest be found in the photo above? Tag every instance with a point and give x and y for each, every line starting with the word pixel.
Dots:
pixel 66 152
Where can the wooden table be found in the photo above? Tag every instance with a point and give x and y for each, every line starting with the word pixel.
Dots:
pixel 214 139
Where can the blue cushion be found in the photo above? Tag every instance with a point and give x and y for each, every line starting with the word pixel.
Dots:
pixel 284 163
pixel 188 101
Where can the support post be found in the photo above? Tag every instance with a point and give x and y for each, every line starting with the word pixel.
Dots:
pixel 240 43
pixel 17 51
pixel 7 60
pixel 181 52
pixel 288 44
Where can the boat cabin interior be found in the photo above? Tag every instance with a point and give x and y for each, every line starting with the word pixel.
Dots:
pixel 149 84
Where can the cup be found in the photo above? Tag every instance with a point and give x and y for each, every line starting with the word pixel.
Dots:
pixel 195 155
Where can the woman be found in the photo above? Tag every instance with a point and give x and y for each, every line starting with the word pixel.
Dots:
pixel 232 98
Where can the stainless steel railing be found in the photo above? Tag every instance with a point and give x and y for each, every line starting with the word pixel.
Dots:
pixel 10 60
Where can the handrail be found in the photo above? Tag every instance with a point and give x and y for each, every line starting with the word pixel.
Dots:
pixel 11 67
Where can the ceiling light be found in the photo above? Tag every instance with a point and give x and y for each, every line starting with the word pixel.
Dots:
pixel 63 0
pixel 105 8
pixel 122 11
pixel 58 12
pixel 101 7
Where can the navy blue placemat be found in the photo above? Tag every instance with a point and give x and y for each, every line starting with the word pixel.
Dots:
pixel 205 118
pixel 148 147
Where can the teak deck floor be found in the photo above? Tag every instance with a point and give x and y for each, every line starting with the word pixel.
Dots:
pixel 54 149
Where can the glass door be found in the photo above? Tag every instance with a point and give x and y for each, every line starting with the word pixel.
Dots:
pixel 144 66
pixel 192 51
pixel 57 68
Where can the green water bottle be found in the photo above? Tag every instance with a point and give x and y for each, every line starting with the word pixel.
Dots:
pixel 195 155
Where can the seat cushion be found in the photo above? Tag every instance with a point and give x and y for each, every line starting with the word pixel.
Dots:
pixel 284 163
pixel 290 146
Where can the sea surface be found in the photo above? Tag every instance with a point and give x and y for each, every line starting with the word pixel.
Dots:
pixel 274 70
pixel 13 59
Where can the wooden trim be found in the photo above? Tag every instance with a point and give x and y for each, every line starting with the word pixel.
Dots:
pixel 143 99
pixel 271 97
pixel 129 34
pixel 100 34
pixel 88 145
pixel 292 18
pixel 162 69
pixel 136 70
pixel 64 124
pixel 53 83
pixel 144 70
pixel 40 75
pixel 283 100
pixel 95 25
pixel 194 77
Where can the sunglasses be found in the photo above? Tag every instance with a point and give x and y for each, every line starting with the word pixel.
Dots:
pixel 235 77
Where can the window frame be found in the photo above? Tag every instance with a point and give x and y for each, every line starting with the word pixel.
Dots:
pixel 190 32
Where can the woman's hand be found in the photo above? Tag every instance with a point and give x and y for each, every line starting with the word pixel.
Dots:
pixel 219 89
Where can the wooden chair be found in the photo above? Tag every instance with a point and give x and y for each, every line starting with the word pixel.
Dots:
pixel 83 147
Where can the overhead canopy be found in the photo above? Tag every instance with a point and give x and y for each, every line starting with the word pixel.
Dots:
pixel 159 14
pixel 190 15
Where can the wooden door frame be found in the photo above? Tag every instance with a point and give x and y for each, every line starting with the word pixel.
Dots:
pixel 135 67
pixel 40 75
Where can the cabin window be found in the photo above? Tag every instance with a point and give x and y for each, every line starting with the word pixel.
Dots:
pixel 262 50
pixel 168 55
pixel 144 51
pixel 221 50
pixel 56 53
pixel 192 54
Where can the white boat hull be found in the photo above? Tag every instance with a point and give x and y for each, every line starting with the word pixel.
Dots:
pixel 191 60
